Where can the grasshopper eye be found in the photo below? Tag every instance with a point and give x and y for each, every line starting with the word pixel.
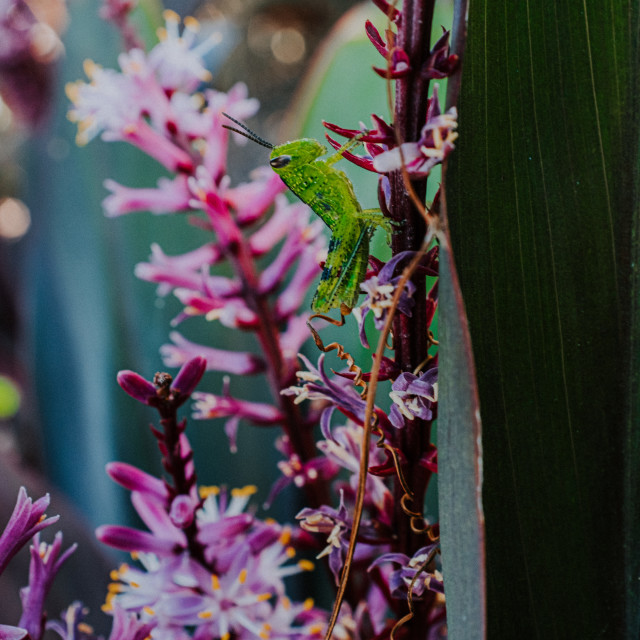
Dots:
pixel 280 161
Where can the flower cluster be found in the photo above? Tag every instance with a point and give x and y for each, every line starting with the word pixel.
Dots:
pixel 206 566
pixel 204 562
pixel 26 522
pixel 153 103
pixel 438 133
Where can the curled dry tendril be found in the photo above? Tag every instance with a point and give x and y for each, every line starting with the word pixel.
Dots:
pixel 422 568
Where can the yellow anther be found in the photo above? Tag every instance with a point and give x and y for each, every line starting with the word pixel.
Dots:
pixel 135 585
pixel 124 567
pixel 285 536
pixel 243 492
pixel 108 603
pixel 205 615
pixel 114 587
pixel 264 596
pixel 72 90
pixel 308 604
pixel 306 565
pixel 170 16
pixel 226 636
pixel 149 611
pixel 242 578
pixel 90 67
pixel 215 583
pixel 315 628
pixel 161 32
pixel 85 628
pixel 290 551
pixel 205 492
pixel 286 603
pixel 191 23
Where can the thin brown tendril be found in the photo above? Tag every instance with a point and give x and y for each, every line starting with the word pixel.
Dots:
pixel 336 346
pixel 411 613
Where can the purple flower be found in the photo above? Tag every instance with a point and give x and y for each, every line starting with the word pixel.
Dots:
pixel 248 561
pixel 316 385
pixel 164 387
pixel 411 570
pixel 337 523
pixel 296 472
pixel 8 632
pixel 435 143
pixel 135 479
pixel 208 406
pixel 343 445
pixel 46 561
pixel 27 519
pixel 380 289
pixel 413 397
pixel 127 626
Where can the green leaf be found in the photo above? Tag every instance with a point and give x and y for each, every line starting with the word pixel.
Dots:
pixel 542 195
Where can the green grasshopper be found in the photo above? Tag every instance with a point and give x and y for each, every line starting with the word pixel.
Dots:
pixel 330 195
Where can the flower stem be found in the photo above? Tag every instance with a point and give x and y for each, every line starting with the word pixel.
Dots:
pixel 279 374
pixel 410 334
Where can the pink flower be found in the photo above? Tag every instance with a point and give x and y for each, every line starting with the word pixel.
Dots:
pixel 435 143
pixel 208 406
pixel 169 196
pixel 236 362
pixel 27 519
pixel 46 561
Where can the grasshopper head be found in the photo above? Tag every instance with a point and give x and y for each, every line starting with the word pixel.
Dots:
pixel 295 154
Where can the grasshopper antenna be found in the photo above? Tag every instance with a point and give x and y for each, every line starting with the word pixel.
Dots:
pixel 247 133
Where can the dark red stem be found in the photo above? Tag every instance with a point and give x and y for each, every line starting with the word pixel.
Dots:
pixel 410 334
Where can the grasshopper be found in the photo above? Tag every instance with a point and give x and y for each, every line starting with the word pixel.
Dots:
pixel 330 195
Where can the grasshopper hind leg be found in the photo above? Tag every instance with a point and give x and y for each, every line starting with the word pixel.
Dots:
pixel 344 269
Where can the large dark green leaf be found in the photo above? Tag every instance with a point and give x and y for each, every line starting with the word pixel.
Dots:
pixel 543 217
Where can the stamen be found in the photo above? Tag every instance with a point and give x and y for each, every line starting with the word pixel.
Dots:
pixel 191 23
pixel 285 536
pixel 243 492
pixel 306 565
pixel 215 582
pixel 242 578
pixel 205 492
